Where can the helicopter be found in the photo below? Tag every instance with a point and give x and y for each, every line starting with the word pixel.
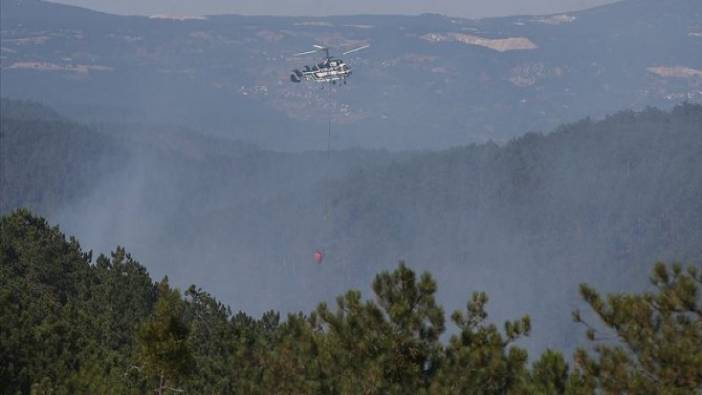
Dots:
pixel 331 69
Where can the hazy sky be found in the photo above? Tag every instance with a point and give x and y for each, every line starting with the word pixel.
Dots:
pixel 465 8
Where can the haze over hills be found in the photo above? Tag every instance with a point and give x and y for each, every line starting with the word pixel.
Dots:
pixel 526 222
pixel 428 81
pixel 184 140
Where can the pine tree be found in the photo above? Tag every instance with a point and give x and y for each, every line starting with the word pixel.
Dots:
pixel 389 345
pixel 549 374
pixel 651 342
pixel 212 342
pixel 163 341
pixel 480 359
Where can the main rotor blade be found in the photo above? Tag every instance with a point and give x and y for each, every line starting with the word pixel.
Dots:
pixel 307 53
pixel 356 49
pixel 318 46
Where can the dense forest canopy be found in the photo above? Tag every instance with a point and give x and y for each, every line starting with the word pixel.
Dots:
pixel 80 325
pixel 460 216
pixel 592 201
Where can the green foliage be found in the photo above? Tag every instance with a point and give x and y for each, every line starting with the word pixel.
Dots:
pixel 126 287
pixel 594 199
pixel 549 375
pixel 253 340
pixel 211 341
pixel 389 346
pixel 294 364
pixel 163 340
pixel 657 344
pixel 68 326
pixel 480 359
pixel 42 279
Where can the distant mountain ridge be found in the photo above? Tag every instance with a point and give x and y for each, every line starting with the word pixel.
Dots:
pixel 428 81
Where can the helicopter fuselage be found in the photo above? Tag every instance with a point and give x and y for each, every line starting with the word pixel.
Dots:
pixel 329 70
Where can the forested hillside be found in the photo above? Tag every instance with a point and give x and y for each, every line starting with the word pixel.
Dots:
pixel 50 162
pixel 593 201
pixel 464 213
pixel 47 161
pixel 71 325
